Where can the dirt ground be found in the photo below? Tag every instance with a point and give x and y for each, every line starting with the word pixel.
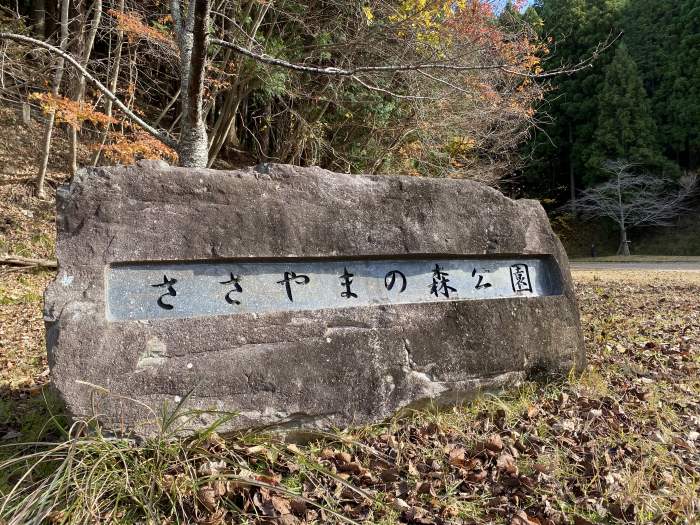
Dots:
pixel 618 444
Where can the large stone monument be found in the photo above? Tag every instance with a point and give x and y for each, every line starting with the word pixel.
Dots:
pixel 297 297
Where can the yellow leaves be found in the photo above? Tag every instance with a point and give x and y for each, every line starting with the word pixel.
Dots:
pixel 460 145
pixel 69 111
pixel 369 15
pixel 427 18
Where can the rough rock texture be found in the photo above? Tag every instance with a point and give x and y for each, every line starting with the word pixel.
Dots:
pixel 313 369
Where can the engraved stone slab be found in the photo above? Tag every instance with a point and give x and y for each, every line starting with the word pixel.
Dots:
pixel 297 297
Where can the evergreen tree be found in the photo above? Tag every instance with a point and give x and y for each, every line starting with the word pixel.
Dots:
pixel 533 19
pixel 582 125
pixel 664 40
pixel 511 18
pixel 574 28
pixel 625 128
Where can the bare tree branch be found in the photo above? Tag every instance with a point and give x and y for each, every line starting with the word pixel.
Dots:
pixel 634 199
pixel 353 72
pixel 390 93
pixel 340 72
pixel 160 135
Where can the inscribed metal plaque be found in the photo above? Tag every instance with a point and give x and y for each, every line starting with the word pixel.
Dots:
pixel 137 291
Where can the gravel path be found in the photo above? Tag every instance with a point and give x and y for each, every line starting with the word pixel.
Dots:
pixel 676 266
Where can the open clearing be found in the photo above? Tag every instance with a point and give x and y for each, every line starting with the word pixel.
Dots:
pixel 640 265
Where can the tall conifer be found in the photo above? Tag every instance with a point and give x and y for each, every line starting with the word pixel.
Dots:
pixel 625 127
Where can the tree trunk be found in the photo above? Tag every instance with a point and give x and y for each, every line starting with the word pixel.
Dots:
pixel 58 75
pixel 193 145
pixel 572 180
pixel 50 18
pixel 265 132
pixel 26 114
pixel 225 123
pixel 624 248
pixel 80 86
pixel 112 87
pixel 38 18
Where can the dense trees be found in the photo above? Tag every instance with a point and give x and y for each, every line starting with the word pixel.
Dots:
pixel 625 128
pixel 415 87
pixel 640 102
pixel 562 149
pixel 664 40
pixel 430 87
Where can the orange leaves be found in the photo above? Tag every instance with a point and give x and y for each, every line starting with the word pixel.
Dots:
pixel 69 111
pixel 124 149
pixel 136 29
pixel 127 149
pixel 477 25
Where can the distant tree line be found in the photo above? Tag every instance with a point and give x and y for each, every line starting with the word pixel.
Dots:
pixel 639 102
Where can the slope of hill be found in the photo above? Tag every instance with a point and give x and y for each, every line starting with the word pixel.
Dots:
pixel 681 239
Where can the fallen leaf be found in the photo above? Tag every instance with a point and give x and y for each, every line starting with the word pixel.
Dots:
pixel 207 495
pixel 494 443
pixel 521 518
pixel 506 463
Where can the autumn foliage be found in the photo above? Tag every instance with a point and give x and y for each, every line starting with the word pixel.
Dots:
pixel 136 29
pixel 464 120
pixel 482 114
pixel 70 112
pixel 124 149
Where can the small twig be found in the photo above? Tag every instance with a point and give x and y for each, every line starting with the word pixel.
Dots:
pixel 15 260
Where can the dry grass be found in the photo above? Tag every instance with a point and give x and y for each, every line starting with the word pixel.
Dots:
pixel 642 277
pixel 641 259
pixel 618 444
